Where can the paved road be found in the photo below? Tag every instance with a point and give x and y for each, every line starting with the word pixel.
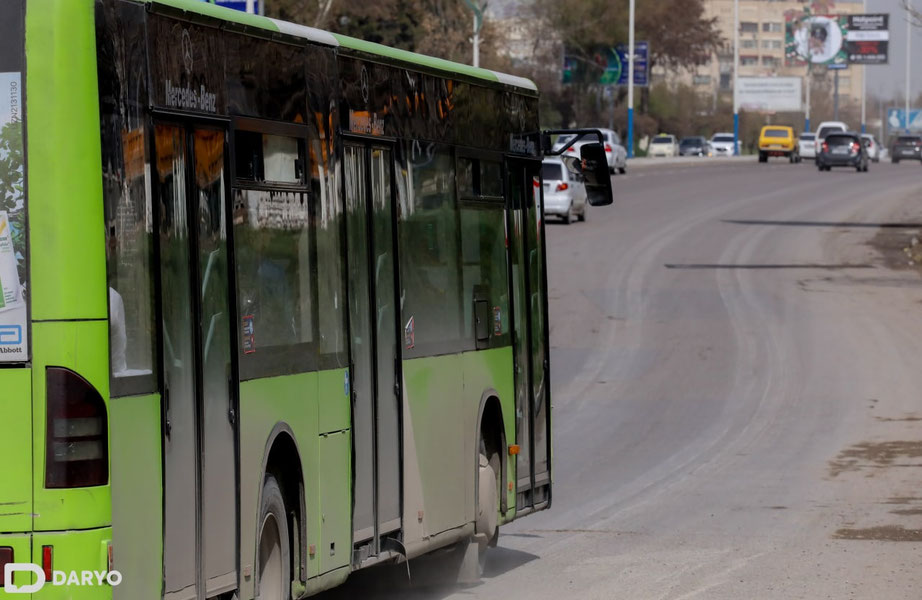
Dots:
pixel 737 395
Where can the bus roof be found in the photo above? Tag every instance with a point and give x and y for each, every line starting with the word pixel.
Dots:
pixel 421 61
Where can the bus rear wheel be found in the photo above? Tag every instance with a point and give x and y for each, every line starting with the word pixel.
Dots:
pixel 273 580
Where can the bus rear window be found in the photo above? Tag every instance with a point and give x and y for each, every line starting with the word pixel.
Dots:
pixel 14 288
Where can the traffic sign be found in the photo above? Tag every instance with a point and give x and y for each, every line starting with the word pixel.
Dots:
pixel 247 6
pixel 896 120
pixel 641 55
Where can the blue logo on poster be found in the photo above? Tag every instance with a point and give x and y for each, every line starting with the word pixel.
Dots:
pixel 10 335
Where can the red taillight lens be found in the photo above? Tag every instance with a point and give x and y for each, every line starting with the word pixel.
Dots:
pixel 607 148
pixel 76 438
pixel 47 560
pixel 856 146
pixel 6 557
pixel 562 186
pixel 825 147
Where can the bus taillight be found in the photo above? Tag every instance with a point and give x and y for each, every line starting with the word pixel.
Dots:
pixel 76 441
pixel 6 557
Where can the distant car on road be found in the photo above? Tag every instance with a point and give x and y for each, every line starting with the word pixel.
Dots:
pixel 694 146
pixel 806 145
pixel 564 191
pixel 722 144
pixel 777 140
pixel 615 151
pixel 664 145
pixel 906 147
pixel 842 150
pixel 873 147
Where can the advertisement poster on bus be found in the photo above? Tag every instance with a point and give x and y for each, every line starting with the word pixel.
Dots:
pixel 13 269
pixel 868 39
pixel 819 39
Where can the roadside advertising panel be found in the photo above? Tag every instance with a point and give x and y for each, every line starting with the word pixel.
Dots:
pixel 817 39
pixel 14 343
pixel 770 94
pixel 868 39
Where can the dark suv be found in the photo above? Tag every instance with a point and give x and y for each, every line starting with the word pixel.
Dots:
pixel 842 150
pixel 906 147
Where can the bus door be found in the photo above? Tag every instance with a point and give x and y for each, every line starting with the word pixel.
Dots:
pixel 199 443
pixel 530 333
pixel 373 323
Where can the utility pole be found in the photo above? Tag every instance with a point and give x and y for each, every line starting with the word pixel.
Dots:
pixel 630 81
pixel 864 84
pixel 478 24
pixel 736 72
pixel 835 100
pixel 908 58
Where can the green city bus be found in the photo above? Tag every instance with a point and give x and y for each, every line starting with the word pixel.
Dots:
pixel 273 302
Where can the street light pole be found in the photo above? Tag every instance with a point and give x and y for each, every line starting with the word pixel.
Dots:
pixel 908 57
pixel 864 85
pixel 736 71
pixel 630 81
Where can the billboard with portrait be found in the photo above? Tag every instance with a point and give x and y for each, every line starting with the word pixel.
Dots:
pixel 817 39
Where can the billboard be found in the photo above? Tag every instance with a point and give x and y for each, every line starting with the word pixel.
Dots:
pixel 819 40
pixel 606 66
pixel 868 39
pixel 770 94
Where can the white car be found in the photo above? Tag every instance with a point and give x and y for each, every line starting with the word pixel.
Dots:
pixel 827 127
pixel 722 144
pixel 564 191
pixel 615 152
pixel 872 146
pixel 806 145
pixel 664 145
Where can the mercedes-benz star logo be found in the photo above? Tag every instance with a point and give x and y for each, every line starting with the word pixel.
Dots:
pixel 187 58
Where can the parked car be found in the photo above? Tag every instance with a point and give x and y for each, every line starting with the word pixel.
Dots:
pixel 664 145
pixel 777 140
pixel 827 127
pixel 806 145
pixel 722 144
pixel 873 147
pixel 615 151
pixel 694 146
pixel 906 147
pixel 842 150
pixel 564 191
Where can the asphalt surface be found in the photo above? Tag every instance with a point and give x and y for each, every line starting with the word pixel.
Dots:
pixel 737 395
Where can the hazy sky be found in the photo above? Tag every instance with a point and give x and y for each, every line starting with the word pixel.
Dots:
pixel 889 80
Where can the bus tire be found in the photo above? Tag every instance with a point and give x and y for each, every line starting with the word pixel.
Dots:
pixel 487 506
pixel 273 576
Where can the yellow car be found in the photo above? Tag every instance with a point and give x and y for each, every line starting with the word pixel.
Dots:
pixel 778 140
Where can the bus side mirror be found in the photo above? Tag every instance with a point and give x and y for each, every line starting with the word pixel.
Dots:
pixel 594 166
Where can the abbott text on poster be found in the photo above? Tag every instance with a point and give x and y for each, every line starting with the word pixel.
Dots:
pixel 13 283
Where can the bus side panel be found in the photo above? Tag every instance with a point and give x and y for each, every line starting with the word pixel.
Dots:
pixel 16 451
pixel 264 403
pixel 75 551
pixel 83 347
pixel 67 254
pixel 435 450
pixel 137 495
pixel 484 370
